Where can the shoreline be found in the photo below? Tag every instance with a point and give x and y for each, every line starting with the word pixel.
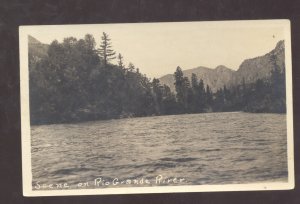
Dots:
pixel 89 121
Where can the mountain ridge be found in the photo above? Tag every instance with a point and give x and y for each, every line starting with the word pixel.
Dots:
pixel 250 70
pixel 211 77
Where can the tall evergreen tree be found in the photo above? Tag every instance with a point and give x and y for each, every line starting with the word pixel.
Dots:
pixel 188 95
pixel 194 81
pixel 201 95
pixel 219 100
pixel 131 67
pixel 179 85
pixel 120 61
pixel 158 94
pixel 169 105
pixel 105 51
pixel 208 97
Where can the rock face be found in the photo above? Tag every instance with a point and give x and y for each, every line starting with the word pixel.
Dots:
pixel 260 67
pixel 250 70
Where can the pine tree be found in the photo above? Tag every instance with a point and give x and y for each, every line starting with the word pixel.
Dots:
pixel 219 100
pixel 196 94
pixel 157 94
pixel 105 51
pixel 208 96
pixel 120 61
pixel 194 81
pixel 201 96
pixel 179 86
pixel 131 67
pixel 169 105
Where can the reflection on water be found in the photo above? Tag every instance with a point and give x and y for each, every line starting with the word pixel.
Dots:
pixel 211 148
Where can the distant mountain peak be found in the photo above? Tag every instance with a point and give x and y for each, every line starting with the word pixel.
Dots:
pixel 197 68
pixel 223 68
pixel 32 40
pixel 36 49
pixel 280 45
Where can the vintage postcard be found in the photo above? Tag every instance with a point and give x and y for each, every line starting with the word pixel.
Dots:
pixel 156 107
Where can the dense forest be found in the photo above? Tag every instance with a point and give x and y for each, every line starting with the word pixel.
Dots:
pixel 77 81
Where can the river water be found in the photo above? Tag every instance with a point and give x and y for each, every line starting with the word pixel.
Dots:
pixel 209 148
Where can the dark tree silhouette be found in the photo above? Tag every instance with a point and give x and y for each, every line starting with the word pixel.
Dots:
pixel 120 61
pixel 131 67
pixel 71 82
pixel 105 51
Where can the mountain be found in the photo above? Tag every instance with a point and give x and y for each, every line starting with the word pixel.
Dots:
pixel 36 50
pixel 250 70
pixel 215 78
pixel 259 67
pixel 32 40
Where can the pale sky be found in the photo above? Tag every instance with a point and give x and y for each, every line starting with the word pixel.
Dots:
pixel 158 48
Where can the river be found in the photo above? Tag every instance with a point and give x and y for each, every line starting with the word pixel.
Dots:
pixel 208 148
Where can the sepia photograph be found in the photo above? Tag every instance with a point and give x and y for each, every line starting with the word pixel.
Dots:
pixel 156 107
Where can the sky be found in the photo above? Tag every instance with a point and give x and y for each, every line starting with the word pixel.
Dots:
pixel 158 48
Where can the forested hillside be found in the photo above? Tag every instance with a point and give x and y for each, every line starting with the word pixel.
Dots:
pixel 75 80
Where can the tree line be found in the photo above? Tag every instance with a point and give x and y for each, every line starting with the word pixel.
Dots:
pixel 76 81
pixel 264 96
